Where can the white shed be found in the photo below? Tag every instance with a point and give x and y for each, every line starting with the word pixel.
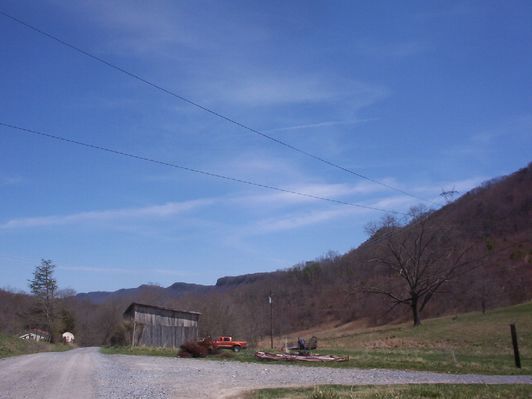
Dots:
pixel 68 337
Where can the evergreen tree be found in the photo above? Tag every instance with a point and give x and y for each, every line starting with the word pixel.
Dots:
pixel 44 287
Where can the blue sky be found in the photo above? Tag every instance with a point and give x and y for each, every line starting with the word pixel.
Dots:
pixel 420 95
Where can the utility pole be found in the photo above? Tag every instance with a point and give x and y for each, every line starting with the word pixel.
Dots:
pixel 271 318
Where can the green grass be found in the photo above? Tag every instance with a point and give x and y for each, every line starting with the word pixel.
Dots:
pixel 473 333
pixel 442 362
pixel 467 343
pixel 443 391
pixel 13 346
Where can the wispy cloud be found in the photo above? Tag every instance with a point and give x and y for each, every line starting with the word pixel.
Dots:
pixel 10 180
pixel 92 269
pixel 18 259
pixel 395 203
pixel 155 211
pixel 485 144
pixel 172 209
pixel 141 28
pixel 162 28
pixel 256 165
pixel 260 167
pixel 326 190
pixel 303 218
pixel 320 125
pixel 391 49
pixel 270 89
pixel 449 9
pixel 296 221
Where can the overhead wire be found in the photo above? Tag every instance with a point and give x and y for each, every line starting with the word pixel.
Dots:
pixel 217 114
pixel 189 169
pixel 206 109
pixel 370 241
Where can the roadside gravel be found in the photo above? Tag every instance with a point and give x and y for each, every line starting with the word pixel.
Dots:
pixel 86 373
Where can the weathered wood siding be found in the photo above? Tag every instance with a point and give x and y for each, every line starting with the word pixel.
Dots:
pixel 164 336
pixel 163 328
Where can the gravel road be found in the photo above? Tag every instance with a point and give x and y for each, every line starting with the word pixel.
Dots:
pixel 86 373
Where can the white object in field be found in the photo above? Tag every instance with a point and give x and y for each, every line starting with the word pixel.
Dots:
pixel 33 336
pixel 68 337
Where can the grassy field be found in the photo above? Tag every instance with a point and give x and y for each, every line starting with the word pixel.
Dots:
pixel 12 346
pixel 397 391
pixel 473 333
pixel 467 343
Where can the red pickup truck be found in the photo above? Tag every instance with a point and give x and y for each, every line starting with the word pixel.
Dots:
pixel 228 343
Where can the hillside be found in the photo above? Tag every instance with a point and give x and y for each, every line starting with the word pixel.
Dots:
pixel 491 221
pixel 469 342
pixel 490 226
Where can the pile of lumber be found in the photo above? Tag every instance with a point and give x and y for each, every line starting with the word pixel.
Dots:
pixel 300 358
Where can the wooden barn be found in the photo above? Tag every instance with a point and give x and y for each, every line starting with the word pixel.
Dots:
pixel 161 327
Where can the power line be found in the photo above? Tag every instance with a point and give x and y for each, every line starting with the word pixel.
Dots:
pixel 206 109
pixel 186 168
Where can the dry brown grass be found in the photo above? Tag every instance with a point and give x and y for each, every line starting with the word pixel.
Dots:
pixel 474 333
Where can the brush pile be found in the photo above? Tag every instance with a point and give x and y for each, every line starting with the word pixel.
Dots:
pixel 300 357
pixel 194 349
pixel 201 348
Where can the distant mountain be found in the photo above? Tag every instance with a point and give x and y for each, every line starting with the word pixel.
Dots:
pixel 173 291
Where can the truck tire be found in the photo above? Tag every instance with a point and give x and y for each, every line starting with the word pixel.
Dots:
pixel 236 348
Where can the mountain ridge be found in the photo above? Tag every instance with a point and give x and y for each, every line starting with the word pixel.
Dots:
pixel 174 290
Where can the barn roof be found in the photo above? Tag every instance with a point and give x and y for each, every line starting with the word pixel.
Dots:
pixel 134 304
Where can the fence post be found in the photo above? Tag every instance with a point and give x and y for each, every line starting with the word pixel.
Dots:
pixel 516 347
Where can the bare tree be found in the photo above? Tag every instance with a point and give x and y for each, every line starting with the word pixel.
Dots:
pixel 417 259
